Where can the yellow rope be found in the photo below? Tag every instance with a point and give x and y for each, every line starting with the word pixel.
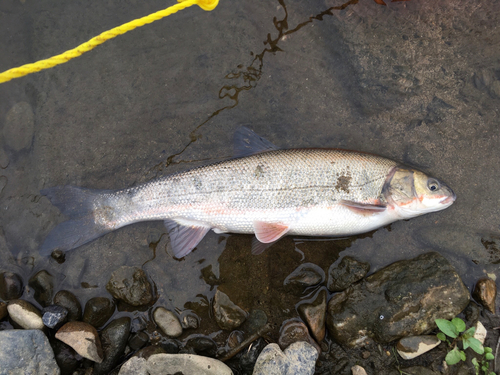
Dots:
pixel 94 42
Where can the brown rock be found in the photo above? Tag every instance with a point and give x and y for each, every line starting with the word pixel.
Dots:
pixel 131 285
pixel 413 346
pixel 83 338
pixel 485 293
pixel 228 315
pixel 314 314
pixel 294 330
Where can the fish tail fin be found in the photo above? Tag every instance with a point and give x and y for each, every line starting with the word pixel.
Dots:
pixel 79 206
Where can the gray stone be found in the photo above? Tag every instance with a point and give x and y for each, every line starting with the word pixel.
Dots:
pixel 25 314
pixel 134 366
pixel 227 315
pixel 400 300
pixel 186 364
pixel 83 338
pixel 190 321
pixel 69 301
pixel 271 361
pixel 301 358
pixel 11 286
pixel 113 340
pixel 485 293
pixel 43 285
pixel 347 272
pixel 167 321
pixel 98 310
pixel 26 352
pixel 19 126
pixel 305 275
pixel 412 346
pixel 314 314
pixel 131 285
pixel 54 315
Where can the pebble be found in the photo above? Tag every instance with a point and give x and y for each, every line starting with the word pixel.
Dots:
pixel 54 315
pixel 170 346
pixel 305 275
pixel 186 364
pixel 113 339
pixel 485 293
pixel 26 352
pixel 202 345
pixel 227 315
pixel 131 285
pixel 190 321
pixel 250 355
pixel 67 359
pixel 412 346
pixel 298 358
pixel 11 286
pixel 98 310
pixel 347 272
pixel 83 338
pixel 148 351
pixel 480 333
pixel 271 361
pixel 168 322
pixel 19 126
pixel 134 366
pixel 3 310
pixel 25 314
pixel 234 339
pixel 255 321
pixel 43 285
pixel 69 301
pixel 138 340
pixel 358 370
pixel 293 331
pixel 314 314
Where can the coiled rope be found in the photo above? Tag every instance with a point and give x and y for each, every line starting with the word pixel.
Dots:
pixel 23 70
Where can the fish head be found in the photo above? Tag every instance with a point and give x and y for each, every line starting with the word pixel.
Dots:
pixel 413 193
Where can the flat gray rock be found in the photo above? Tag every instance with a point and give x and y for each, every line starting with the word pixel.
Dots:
pixel 187 364
pixel 20 345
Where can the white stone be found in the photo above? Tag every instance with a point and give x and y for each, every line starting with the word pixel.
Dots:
pixel 358 370
pixel 271 361
pixel 480 332
pixel 413 346
pixel 25 314
pixel 187 364
pixel 168 322
pixel 134 366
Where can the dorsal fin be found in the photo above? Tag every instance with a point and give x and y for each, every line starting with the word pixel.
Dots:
pixel 246 143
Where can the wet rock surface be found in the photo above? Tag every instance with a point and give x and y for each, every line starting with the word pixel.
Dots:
pixel 131 285
pixel 43 284
pixel 314 314
pixel 204 346
pixel 348 271
pixel 67 359
pixel 485 292
pixel 167 321
pixel 298 358
pixel 25 314
pixel 3 310
pixel 69 301
pixel 19 347
pixel 113 340
pixel 11 286
pixel 54 316
pixel 98 310
pixel 83 338
pixel 19 126
pixel 228 315
pixel 402 299
pixel 294 331
pixel 305 275
pixel 412 346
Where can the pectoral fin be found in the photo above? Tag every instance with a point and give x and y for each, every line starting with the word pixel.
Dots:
pixel 269 232
pixel 184 238
pixel 363 208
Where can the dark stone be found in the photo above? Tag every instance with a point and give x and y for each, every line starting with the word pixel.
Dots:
pixel 190 320
pixel 485 293
pixel 11 286
pixel 228 315
pixel 250 355
pixel 138 340
pixel 148 351
pixel 59 256
pixel 305 275
pixel 234 339
pixel 98 310
pixel 3 310
pixel 54 315
pixel 472 312
pixel 113 339
pixel 170 346
pixel 68 300
pixel 314 314
pixel 67 359
pixel 294 330
pixel 138 324
pixel 43 285
pixel 347 272
pixel 255 321
pixel 201 345
pixel 131 285
pixel 401 299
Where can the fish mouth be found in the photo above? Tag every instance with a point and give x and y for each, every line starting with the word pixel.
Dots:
pixel 450 198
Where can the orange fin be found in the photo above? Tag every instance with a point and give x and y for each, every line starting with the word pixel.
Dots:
pixel 269 232
pixel 184 238
pixel 363 208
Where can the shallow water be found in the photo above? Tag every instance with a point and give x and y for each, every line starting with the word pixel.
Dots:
pixel 416 81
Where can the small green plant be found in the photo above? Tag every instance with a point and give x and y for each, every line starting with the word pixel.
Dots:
pixel 456 330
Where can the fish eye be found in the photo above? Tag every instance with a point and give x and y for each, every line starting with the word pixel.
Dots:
pixel 433 184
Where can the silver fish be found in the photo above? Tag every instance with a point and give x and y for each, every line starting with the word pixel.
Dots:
pixel 264 190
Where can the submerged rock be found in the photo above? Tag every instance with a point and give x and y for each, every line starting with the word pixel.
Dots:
pixel 314 314
pixel 26 352
pixel 43 285
pixel 168 322
pixel 69 301
pixel 298 358
pixel 201 345
pixel 113 339
pixel 138 340
pixel 401 299
pixel 305 275
pixel 131 285
pixel 3 310
pixel 485 293
pixel 293 331
pixel 227 315
pixel 98 310
pixel 412 346
pixel 249 356
pixel 83 338
pixel 25 314
pixel 54 315
pixel 11 286
pixel 347 272
pixel 190 320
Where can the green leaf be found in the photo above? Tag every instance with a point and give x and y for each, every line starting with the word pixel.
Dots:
pixel 487 349
pixel 469 333
pixel 465 343
pixel 459 324
pixel 453 357
pixel 441 336
pixel 447 327
pixel 489 356
pixel 475 362
pixel 462 355
pixel 475 345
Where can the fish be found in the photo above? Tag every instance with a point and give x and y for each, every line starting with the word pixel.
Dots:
pixel 263 190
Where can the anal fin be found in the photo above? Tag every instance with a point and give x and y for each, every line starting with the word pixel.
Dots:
pixel 184 237
pixel 269 232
